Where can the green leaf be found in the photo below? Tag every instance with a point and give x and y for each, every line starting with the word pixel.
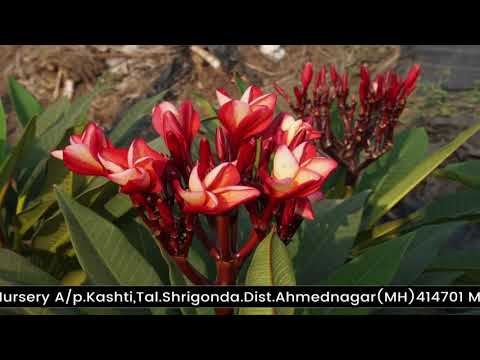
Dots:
pixel 326 241
pixel 52 235
pixel 11 163
pixel 456 206
pixel 15 268
pixel 270 266
pixel 119 205
pixel 24 103
pixel 409 150
pixel 135 113
pixel 467 172
pixel 52 115
pixel 142 239
pixel 405 182
pixel 438 278
pixel 410 147
pixel 423 249
pixel 3 132
pixel 376 266
pixel 205 105
pixel 241 85
pixel 159 145
pixel 102 249
pixel 75 115
pixel 457 260
pixel 56 174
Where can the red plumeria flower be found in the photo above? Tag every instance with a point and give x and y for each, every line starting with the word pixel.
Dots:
pixel 293 131
pixel 303 206
pixel 217 192
pixel 297 173
pixel 81 156
pixel 249 116
pixel 137 169
pixel 183 124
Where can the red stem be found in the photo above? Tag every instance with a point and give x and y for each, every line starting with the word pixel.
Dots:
pixel 190 272
pixel 258 233
pixel 210 245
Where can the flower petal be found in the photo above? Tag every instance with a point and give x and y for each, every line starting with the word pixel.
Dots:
pixel 304 208
pixel 232 113
pixel 194 198
pixel 194 182
pixel 232 196
pixel 222 96
pixel 255 123
pixel 122 178
pixel 157 116
pixel 304 175
pixel 287 122
pixel 225 174
pixel 279 188
pixel 75 139
pixel 285 165
pixel 267 100
pixel 246 95
pixel 190 121
pixel 58 154
pixel 78 158
pixel 298 151
pixel 139 149
pixel 320 165
pixel 114 159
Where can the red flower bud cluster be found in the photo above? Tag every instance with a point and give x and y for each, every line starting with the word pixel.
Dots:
pixel 368 129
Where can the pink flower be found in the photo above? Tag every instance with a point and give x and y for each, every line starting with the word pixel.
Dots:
pixel 293 131
pixel 81 156
pixel 217 192
pixel 297 173
pixel 249 116
pixel 137 170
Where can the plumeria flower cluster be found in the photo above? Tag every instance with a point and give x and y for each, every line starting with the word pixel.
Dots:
pixel 368 129
pixel 268 163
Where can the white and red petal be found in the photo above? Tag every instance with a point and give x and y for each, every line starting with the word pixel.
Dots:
pixel 114 158
pixel 320 165
pixel 268 100
pixel 194 182
pixel 139 183
pixel 299 150
pixel 58 154
pixel 222 96
pixel 139 149
pixel 122 178
pixel 287 122
pixel 305 175
pixel 255 123
pixel 232 196
pixel 78 158
pixel 109 165
pixel 232 113
pixel 304 208
pixel 285 165
pixel 158 113
pixel 75 139
pixel 279 188
pixel 225 174
pixel 193 198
